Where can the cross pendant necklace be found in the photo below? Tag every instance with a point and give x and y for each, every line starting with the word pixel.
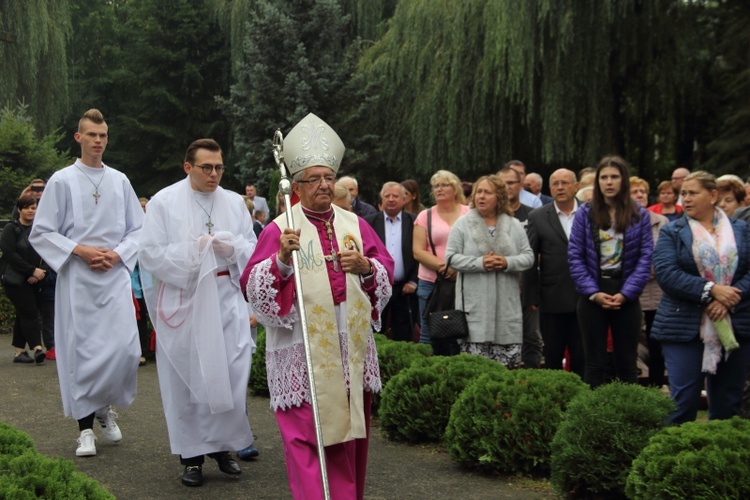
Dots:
pixel 329 230
pixel 209 224
pixel 96 194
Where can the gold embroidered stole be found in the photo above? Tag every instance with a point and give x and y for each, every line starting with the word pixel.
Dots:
pixel 342 417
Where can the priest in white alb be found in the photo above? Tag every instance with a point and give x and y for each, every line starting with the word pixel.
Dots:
pixel 196 240
pixel 87 228
pixel 346 282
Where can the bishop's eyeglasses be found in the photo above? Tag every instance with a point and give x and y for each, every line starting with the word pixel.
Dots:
pixel 316 181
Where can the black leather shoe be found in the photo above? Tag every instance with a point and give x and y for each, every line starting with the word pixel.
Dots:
pixel 193 475
pixel 227 464
pixel 23 358
pixel 39 356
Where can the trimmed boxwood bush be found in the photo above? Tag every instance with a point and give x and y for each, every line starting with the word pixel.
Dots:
pixel 416 402
pixel 695 460
pixel 258 375
pixel 25 474
pixel 14 442
pixel 603 431
pixel 506 424
pixel 394 356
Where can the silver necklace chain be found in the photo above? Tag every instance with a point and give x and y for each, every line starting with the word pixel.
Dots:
pixel 209 224
pixel 96 194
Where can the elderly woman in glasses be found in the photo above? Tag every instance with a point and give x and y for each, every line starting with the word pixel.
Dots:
pixel 429 245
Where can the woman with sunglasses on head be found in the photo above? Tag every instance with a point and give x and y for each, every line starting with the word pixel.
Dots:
pixel 610 252
pixel 449 206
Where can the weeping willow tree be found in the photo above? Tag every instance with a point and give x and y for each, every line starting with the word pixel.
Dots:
pixel 369 16
pixel 469 85
pixel 33 35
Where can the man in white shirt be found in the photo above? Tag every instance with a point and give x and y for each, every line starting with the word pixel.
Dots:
pixel 259 203
pixel 552 288
pixel 395 228
pixel 526 198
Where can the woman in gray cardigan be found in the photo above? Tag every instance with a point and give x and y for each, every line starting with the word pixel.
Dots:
pixel 489 249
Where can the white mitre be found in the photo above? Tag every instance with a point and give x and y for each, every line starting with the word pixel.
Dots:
pixel 312 143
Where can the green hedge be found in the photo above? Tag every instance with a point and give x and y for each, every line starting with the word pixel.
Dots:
pixel 506 423
pixel 698 460
pixel 394 356
pixel 417 401
pixel 26 474
pixel 603 431
pixel 258 376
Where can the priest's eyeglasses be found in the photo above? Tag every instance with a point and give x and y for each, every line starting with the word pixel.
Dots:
pixel 317 181
pixel 207 169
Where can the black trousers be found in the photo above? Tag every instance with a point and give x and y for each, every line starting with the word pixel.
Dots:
pixel 199 459
pixel 144 334
pixel 655 357
pixel 560 330
pixel 401 314
pixel 625 324
pixel 27 328
pixel 47 311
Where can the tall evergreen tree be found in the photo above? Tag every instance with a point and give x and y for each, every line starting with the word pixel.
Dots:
pixel 153 67
pixel 730 147
pixel 33 38
pixel 23 155
pixel 295 68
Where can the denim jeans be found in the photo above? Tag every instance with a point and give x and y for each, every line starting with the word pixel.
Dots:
pixel 424 289
pixel 686 380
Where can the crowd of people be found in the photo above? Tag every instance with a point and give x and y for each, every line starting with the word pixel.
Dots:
pixel 575 280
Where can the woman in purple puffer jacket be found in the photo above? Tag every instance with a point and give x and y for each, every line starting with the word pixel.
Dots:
pixel 609 252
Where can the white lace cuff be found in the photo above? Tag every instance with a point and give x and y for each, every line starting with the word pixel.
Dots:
pixel 383 291
pixel 261 294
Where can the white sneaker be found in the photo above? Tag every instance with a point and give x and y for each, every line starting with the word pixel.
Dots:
pixel 106 417
pixel 86 444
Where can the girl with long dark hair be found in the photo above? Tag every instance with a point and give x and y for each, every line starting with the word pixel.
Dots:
pixel 610 254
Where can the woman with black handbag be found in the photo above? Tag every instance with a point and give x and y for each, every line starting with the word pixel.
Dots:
pixel 431 230
pixel 489 249
pixel 22 272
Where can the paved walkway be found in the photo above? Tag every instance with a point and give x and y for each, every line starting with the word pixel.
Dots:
pixel 142 467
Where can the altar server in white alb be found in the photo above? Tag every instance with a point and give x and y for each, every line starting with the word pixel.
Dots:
pixel 196 240
pixel 87 228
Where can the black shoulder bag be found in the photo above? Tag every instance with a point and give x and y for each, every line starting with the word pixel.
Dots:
pixel 446 322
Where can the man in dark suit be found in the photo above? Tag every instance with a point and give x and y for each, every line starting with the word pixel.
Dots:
pixel 553 288
pixel 395 228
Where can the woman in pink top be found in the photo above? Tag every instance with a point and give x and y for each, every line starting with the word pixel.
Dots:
pixel 450 205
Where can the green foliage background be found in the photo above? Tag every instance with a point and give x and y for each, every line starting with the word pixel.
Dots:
pixel 410 85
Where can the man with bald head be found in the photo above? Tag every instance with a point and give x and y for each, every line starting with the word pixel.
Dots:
pixel 678 176
pixel 552 288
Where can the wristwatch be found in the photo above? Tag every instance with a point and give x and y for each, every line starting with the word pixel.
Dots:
pixel 592 296
pixel 706 295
